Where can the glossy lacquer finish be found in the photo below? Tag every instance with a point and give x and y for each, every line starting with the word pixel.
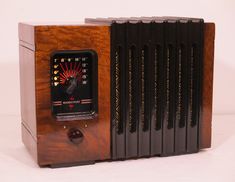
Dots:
pixel 63 142
pixel 59 143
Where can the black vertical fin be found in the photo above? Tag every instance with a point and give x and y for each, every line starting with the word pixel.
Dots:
pixel 131 78
pixel 181 87
pixel 169 104
pixel 195 50
pixel 157 88
pixel 144 89
pixel 118 56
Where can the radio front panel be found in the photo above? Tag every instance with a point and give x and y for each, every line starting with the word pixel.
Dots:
pixel 116 88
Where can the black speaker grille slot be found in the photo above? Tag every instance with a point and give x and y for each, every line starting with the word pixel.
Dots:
pixel 157 85
pixel 117 72
pixel 132 88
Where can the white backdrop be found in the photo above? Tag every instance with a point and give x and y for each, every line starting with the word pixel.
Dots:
pixel 222 12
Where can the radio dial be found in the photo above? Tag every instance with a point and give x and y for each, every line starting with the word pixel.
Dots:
pixel 75 135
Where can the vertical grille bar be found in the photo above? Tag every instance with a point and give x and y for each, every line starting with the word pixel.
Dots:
pixel 181 87
pixel 169 104
pixel 132 94
pixel 118 89
pixel 157 86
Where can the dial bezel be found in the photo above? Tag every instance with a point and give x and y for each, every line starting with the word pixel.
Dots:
pixel 94 74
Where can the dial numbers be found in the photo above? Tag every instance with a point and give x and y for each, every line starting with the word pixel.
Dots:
pixel 72 83
pixel 74 70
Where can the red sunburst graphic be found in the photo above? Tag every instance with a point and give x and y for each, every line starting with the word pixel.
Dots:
pixel 70 71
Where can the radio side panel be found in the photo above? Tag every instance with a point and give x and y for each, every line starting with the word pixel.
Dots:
pixel 27 100
pixel 207 90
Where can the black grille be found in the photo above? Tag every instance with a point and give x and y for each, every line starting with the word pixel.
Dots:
pixel 156 85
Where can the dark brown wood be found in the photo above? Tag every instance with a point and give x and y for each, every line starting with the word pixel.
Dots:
pixel 53 144
pixel 207 97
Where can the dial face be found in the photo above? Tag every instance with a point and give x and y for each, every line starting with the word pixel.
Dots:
pixel 73 87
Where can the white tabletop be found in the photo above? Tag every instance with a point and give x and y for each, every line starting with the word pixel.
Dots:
pixel 215 164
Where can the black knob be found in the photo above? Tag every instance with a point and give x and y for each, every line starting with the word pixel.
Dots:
pixel 75 135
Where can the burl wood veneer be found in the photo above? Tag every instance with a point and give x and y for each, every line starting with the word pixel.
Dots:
pixel 45 137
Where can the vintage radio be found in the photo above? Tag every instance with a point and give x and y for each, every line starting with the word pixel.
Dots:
pixel 116 88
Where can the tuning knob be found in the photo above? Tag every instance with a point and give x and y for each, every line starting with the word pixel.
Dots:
pixel 75 135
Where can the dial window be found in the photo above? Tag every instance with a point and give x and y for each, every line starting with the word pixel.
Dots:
pixel 74 84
